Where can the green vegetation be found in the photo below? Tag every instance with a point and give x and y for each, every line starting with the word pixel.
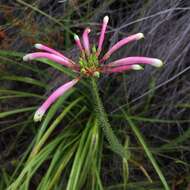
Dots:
pixel 100 135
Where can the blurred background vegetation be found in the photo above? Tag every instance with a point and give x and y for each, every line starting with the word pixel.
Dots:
pixel 157 102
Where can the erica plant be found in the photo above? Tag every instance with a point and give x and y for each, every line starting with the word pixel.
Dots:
pixel 91 65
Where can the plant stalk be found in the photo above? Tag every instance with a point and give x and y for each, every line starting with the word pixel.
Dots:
pixel 103 122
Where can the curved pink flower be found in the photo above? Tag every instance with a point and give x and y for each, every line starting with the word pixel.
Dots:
pixel 122 43
pixel 90 65
pixel 136 60
pixel 52 98
pixel 86 43
pixel 53 57
pixel 50 50
pixel 121 68
pixel 78 42
pixel 102 34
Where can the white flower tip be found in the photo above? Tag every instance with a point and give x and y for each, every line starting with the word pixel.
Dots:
pixel 38 46
pixel 76 37
pixel 140 36
pixel 106 19
pixel 27 57
pixel 157 63
pixel 38 115
pixel 137 67
pixel 88 30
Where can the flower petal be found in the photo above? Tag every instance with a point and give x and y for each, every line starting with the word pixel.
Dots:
pixel 136 60
pixel 102 34
pixel 121 43
pixel 49 56
pixel 52 98
pixel 121 68
pixel 78 42
pixel 86 43
pixel 50 50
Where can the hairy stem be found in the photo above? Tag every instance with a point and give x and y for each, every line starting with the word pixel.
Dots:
pixel 104 123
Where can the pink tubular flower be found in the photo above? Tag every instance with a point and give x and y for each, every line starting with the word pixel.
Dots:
pixel 136 60
pixel 89 64
pixel 50 50
pixel 120 69
pixel 102 34
pixel 78 42
pixel 49 56
pixel 86 43
pixel 122 43
pixel 51 99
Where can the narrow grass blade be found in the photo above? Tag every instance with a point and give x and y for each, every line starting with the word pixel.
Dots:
pixel 67 157
pixel 148 152
pixel 125 166
pixel 150 120
pixel 21 93
pixel 27 80
pixel 84 157
pixel 79 159
pixel 16 111
pixel 11 53
pixel 34 163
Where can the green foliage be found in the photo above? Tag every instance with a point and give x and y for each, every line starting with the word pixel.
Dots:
pixel 115 145
pixel 78 142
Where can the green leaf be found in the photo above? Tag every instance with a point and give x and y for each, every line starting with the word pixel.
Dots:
pixel 148 152
pixel 27 80
pixel 16 111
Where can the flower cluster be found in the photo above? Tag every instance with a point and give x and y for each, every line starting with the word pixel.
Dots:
pixel 90 64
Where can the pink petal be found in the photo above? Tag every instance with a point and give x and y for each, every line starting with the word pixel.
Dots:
pixel 102 35
pixel 136 60
pixel 52 98
pixel 49 56
pixel 86 43
pixel 78 42
pixel 121 68
pixel 122 43
pixel 50 50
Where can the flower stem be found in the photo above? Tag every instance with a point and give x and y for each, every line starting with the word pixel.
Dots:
pixel 103 121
